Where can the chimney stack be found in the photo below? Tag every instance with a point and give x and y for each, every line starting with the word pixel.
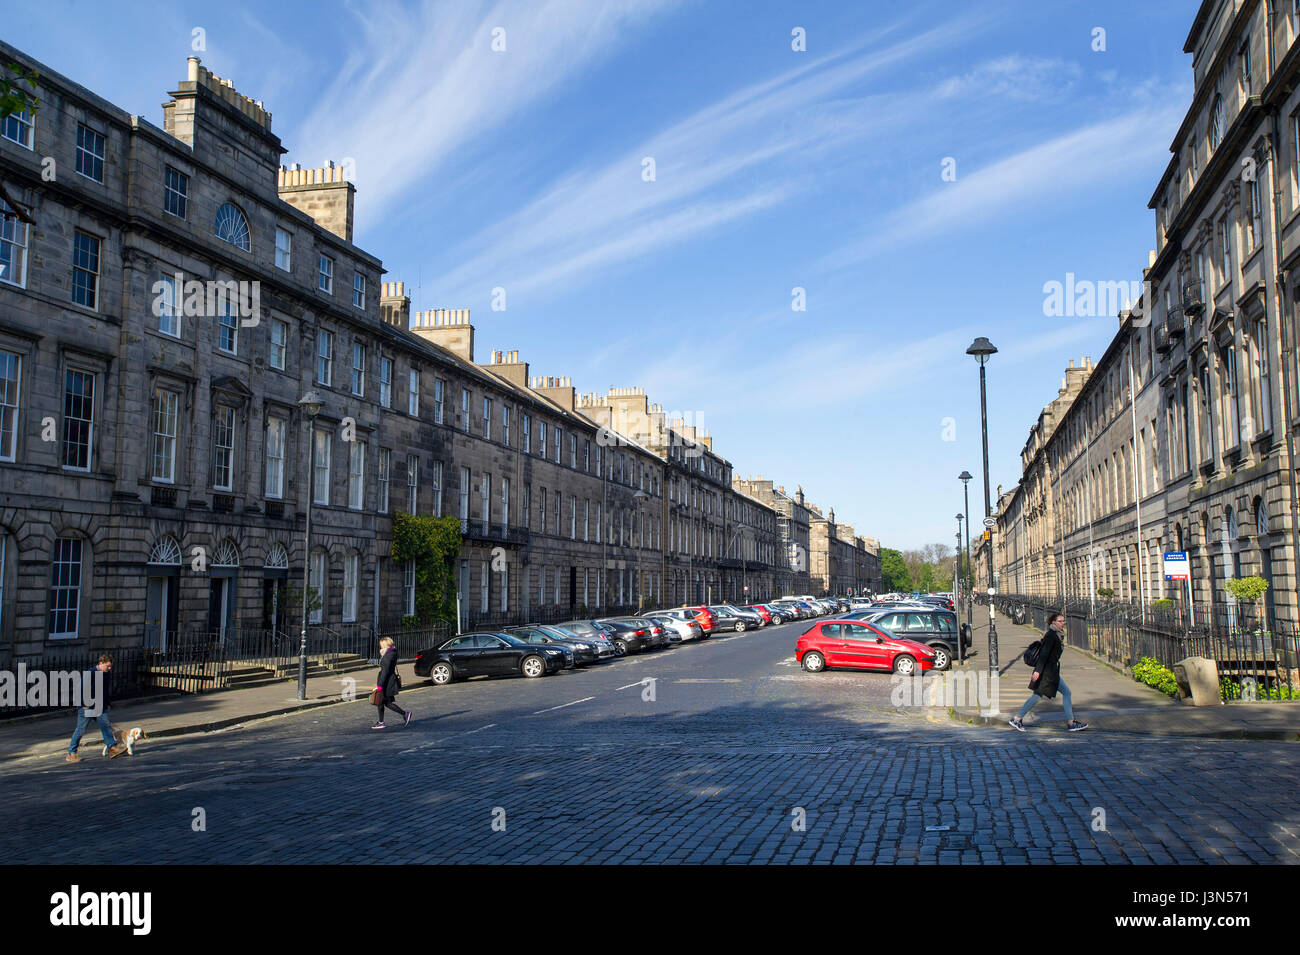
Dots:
pixel 448 328
pixel 394 305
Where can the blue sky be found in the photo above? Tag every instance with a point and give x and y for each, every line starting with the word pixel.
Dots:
pixel 774 169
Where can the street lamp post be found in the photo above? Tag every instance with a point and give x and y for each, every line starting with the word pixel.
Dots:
pixel 965 478
pixel 959 592
pixel 310 403
pixel 982 350
pixel 640 497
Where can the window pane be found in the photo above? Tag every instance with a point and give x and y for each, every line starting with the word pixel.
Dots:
pixel 78 418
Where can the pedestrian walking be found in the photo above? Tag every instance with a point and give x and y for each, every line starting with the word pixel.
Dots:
pixel 1047 677
pixel 388 684
pixel 96 689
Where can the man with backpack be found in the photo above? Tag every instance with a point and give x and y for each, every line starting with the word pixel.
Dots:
pixel 1045 657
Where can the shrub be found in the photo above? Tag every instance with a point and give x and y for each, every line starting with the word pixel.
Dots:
pixel 434 544
pixel 1246 589
pixel 1105 592
pixel 1150 671
pixel 1162 604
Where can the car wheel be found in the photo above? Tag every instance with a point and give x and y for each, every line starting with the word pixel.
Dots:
pixel 942 658
pixel 440 675
pixel 740 626
pixel 904 665
pixel 778 620
pixel 533 667
pixel 620 648
pixel 814 662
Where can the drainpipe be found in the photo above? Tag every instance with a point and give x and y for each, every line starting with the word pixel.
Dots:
pixel 1284 327
pixel 1137 497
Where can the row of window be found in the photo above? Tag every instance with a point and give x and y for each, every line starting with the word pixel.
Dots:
pixel 230 224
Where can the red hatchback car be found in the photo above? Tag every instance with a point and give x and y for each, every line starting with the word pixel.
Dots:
pixel 855 645
pixel 704 617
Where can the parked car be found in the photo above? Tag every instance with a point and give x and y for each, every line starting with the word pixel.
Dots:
pixel 685 629
pixel 488 654
pixel 761 611
pixel 778 613
pixel 584 651
pixel 704 622
pixel 936 628
pixel 753 617
pixel 705 617
pixel 604 648
pixel 857 645
pixel 634 634
pixel 727 620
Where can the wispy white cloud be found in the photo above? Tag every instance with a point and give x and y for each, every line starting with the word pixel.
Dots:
pixel 1014 78
pixel 421 80
pixel 1057 170
pixel 725 162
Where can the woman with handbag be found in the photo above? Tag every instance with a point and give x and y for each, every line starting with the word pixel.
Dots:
pixel 1047 677
pixel 388 684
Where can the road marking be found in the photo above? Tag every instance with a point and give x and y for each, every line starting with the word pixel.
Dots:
pixel 707 681
pixel 563 705
pixel 630 685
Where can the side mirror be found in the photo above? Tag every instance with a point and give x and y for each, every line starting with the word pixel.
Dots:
pixel 880 639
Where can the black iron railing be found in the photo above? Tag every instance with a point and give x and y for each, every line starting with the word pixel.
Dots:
pixel 1255 648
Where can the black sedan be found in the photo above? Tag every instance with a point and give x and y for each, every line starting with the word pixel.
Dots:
pixel 488 654
pixel 584 651
pixel 633 634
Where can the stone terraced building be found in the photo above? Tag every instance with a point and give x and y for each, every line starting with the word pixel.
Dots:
pixel 174 306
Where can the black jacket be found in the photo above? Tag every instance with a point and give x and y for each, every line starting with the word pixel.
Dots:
pixel 1049 665
pixel 104 690
pixel 388 678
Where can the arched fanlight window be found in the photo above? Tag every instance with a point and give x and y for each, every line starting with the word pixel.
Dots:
pixel 165 551
pixel 277 558
pixel 227 554
pixel 233 227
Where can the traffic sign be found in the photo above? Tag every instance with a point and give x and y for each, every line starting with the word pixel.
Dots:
pixel 1175 564
pixel 988 535
pixel 990 522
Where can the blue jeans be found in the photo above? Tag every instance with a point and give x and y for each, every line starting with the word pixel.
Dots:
pixel 1065 701
pixel 83 720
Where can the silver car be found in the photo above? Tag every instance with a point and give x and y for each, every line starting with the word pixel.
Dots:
pixel 680 627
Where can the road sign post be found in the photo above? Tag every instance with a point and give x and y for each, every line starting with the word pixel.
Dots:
pixel 1176 567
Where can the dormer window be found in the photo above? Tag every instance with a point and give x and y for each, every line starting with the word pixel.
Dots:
pixel 232 227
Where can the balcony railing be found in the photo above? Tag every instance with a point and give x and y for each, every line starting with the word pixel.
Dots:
pixel 495 533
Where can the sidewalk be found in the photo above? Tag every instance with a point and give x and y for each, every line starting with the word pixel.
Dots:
pixel 48 735
pixel 1108 699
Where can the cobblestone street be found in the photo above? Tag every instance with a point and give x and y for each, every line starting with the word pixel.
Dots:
pixel 740 757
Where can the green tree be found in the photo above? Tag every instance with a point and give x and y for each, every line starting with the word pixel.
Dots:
pixel 925 582
pixel 893 571
pixel 1247 589
pixel 434 544
pixel 14 98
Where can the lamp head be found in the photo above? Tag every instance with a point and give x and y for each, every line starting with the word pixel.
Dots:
pixel 982 349
pixel 311 403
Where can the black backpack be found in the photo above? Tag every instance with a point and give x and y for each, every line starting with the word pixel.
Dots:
pixel 1033 652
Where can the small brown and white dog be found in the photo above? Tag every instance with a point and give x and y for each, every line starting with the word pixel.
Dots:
pixel 127 738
